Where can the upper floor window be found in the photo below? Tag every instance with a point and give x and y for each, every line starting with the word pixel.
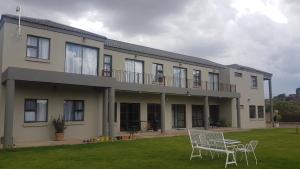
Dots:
pixel 213 81
pixel 107 64
pixel 260 112
pixel 81 59
pixel 238 74
pixel 157 73
pixel 74 110
pixel 179 77
pixel 35 110
pixel 38 47
pixel 252 112
pixel 134 71
pixel 197 78
pixel 254 82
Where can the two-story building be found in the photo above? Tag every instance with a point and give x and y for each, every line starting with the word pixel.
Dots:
pixel 106 87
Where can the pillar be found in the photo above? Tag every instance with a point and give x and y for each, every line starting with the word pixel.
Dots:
pixel 111 111
pixel 163 112
pixel 206 113
pixel 9 113
pixel 238 112
pixel 105 113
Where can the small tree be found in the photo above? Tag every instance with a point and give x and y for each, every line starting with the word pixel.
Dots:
pixel 59 125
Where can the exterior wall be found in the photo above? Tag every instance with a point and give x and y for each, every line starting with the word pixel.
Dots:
pixel 44 131
pixel 14 51
pixel 249 96
pixel 119 64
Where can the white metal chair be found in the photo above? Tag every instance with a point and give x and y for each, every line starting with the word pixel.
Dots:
pixel 212 142
pixel 248 148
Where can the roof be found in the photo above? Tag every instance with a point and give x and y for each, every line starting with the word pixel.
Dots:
pixel 50 25
pixel 160 54
pixel 249 69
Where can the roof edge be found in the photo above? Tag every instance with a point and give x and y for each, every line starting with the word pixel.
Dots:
pixel 266 75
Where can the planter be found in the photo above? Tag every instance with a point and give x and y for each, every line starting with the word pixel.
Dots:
pixel 59 136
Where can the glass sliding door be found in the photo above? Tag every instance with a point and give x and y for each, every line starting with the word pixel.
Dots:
pixel 179 77
pixel 214 81
pixel 197 116
pixel 130 116
pixel 134 71
pixel 178 115
pixel 154 117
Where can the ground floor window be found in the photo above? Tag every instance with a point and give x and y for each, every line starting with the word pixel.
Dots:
pixel 154 117
pixel 197 116
pixel 179 120
pixel 35 110
pixel 260 112
pixel 74 110
pixel 252 112
pixel 214 115
pixel 130 117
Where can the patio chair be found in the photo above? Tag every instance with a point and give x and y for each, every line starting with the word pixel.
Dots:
pixel 248 148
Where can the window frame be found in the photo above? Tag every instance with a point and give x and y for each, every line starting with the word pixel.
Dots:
pixel 37 47
pixel 83 110
pixel 197 78
pixel 35 110
pixel 213 85
pixel 143 71
pixel 252 77
pixel 109 72
pixel 255 113
pixel 180 80
pixel 155 79
pixel 238 74
pixel 81 66
pixel 258 112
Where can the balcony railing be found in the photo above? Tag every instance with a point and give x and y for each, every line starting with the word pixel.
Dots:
pixel 150 79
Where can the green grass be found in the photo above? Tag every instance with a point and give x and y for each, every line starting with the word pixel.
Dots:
pixel 277 148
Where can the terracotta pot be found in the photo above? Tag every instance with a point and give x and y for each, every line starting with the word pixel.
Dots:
pixel 59 136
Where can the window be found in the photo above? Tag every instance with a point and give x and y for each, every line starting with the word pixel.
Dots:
pixel 260 112
pixel 197 116
pixel 252 112
pixel 134 71
pixel 81 59
pixel 254 82
pixel 213 81
pixel 179 77
pixel 116 112
pixel 74 110
pixel 35 110
pixel 37 47
pixel 157 73
pixel 107 64
pixel 237 74
pixel 178 115
pixel 197 78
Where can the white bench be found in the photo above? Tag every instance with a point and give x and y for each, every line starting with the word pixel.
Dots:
pixel 212 142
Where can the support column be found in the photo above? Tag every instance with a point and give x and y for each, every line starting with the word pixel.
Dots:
pixel 105 113
pixel 111 110
pixel 163 112
pixel 238 112
pixel 9 113
pixel 271 102
pixel 206 113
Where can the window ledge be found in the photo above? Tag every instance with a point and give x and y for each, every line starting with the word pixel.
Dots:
pixel 74 123
pixel 254 88
pixel 36 124
pixel 253 119
pixel 37 60
pixel 261 119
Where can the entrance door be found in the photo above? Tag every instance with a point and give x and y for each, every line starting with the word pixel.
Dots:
pixel 197 116
pixel 154 118
pixel 130 116
pixel 214 114
pixel 178 115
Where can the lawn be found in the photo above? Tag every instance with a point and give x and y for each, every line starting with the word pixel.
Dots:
pixel 277 148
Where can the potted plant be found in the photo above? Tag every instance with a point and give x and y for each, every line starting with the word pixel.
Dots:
pixel 59 126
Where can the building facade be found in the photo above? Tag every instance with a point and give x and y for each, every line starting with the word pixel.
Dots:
pixel 107 87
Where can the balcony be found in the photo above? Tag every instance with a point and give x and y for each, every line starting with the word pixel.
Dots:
pixel 166 81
